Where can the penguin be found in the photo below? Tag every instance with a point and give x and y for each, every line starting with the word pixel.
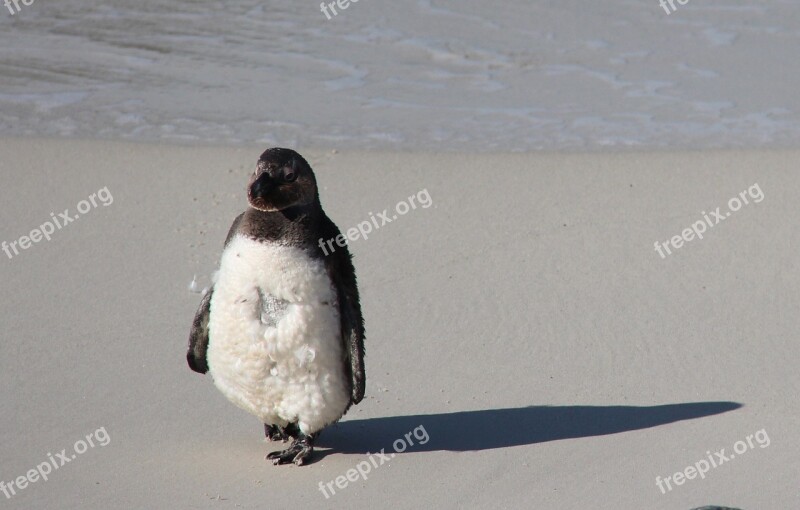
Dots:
pixel 280 330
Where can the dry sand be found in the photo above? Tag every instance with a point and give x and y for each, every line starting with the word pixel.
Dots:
pixel 524 320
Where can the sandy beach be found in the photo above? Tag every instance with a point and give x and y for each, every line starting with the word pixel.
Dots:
pixel 526 344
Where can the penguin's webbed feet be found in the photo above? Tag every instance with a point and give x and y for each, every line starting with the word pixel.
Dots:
pixel 300 450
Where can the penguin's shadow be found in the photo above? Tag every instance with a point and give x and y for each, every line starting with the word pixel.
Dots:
pixel 502 428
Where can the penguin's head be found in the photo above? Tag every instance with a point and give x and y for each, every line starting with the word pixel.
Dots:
pixel 282 179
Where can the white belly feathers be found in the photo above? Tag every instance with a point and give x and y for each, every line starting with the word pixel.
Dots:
pixel 274 336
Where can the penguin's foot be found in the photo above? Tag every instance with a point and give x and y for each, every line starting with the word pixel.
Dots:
pixel 278 433
pixel 300 450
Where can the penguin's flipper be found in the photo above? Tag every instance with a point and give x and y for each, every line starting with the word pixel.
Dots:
pixel 339 266
pixel 198 338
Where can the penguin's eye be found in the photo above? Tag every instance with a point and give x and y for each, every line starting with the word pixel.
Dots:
pixel 289 175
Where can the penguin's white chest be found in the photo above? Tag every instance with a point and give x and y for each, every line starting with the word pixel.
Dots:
pixel 274 335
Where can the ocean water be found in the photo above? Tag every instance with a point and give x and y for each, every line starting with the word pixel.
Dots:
pixel 441 75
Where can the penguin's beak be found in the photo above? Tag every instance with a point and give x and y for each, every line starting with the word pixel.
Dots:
pixel 262 186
